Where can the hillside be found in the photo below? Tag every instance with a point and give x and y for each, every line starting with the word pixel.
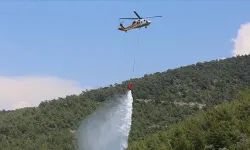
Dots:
pixel 225 126
pixel 161 99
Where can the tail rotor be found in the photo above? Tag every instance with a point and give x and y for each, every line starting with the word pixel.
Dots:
pixel 121 24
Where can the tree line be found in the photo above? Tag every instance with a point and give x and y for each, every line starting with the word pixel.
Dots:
pixel 157 105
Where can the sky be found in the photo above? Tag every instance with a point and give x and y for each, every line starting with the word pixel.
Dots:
pixel 52 49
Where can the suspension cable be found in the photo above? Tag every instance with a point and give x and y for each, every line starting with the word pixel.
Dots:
pixel 137 45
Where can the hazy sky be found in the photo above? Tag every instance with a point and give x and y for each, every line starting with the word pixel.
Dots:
pixel 45 44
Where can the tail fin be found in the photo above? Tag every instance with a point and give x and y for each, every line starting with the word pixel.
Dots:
pixel 121 27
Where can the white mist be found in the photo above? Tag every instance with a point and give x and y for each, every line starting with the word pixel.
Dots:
pixel 107 128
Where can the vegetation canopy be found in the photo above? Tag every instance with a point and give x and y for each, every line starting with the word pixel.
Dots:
pixel 161 102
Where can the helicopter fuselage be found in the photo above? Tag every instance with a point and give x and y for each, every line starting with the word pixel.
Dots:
pixel 138 23
pixel 141 23
pixel 135 24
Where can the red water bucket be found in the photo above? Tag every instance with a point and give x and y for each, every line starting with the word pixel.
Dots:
pixel 130 86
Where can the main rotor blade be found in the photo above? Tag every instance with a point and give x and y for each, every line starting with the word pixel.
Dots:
pixel 128 18
pixel 137 15
pixel 153 17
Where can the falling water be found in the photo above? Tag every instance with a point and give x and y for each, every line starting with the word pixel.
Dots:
pixel 107 128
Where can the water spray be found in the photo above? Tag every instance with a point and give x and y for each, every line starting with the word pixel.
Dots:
pixel 107 128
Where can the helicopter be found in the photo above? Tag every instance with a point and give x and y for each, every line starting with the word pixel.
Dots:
pixel 138 23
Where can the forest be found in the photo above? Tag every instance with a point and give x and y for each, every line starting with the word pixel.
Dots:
pixel 225 126
pixel 162 103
